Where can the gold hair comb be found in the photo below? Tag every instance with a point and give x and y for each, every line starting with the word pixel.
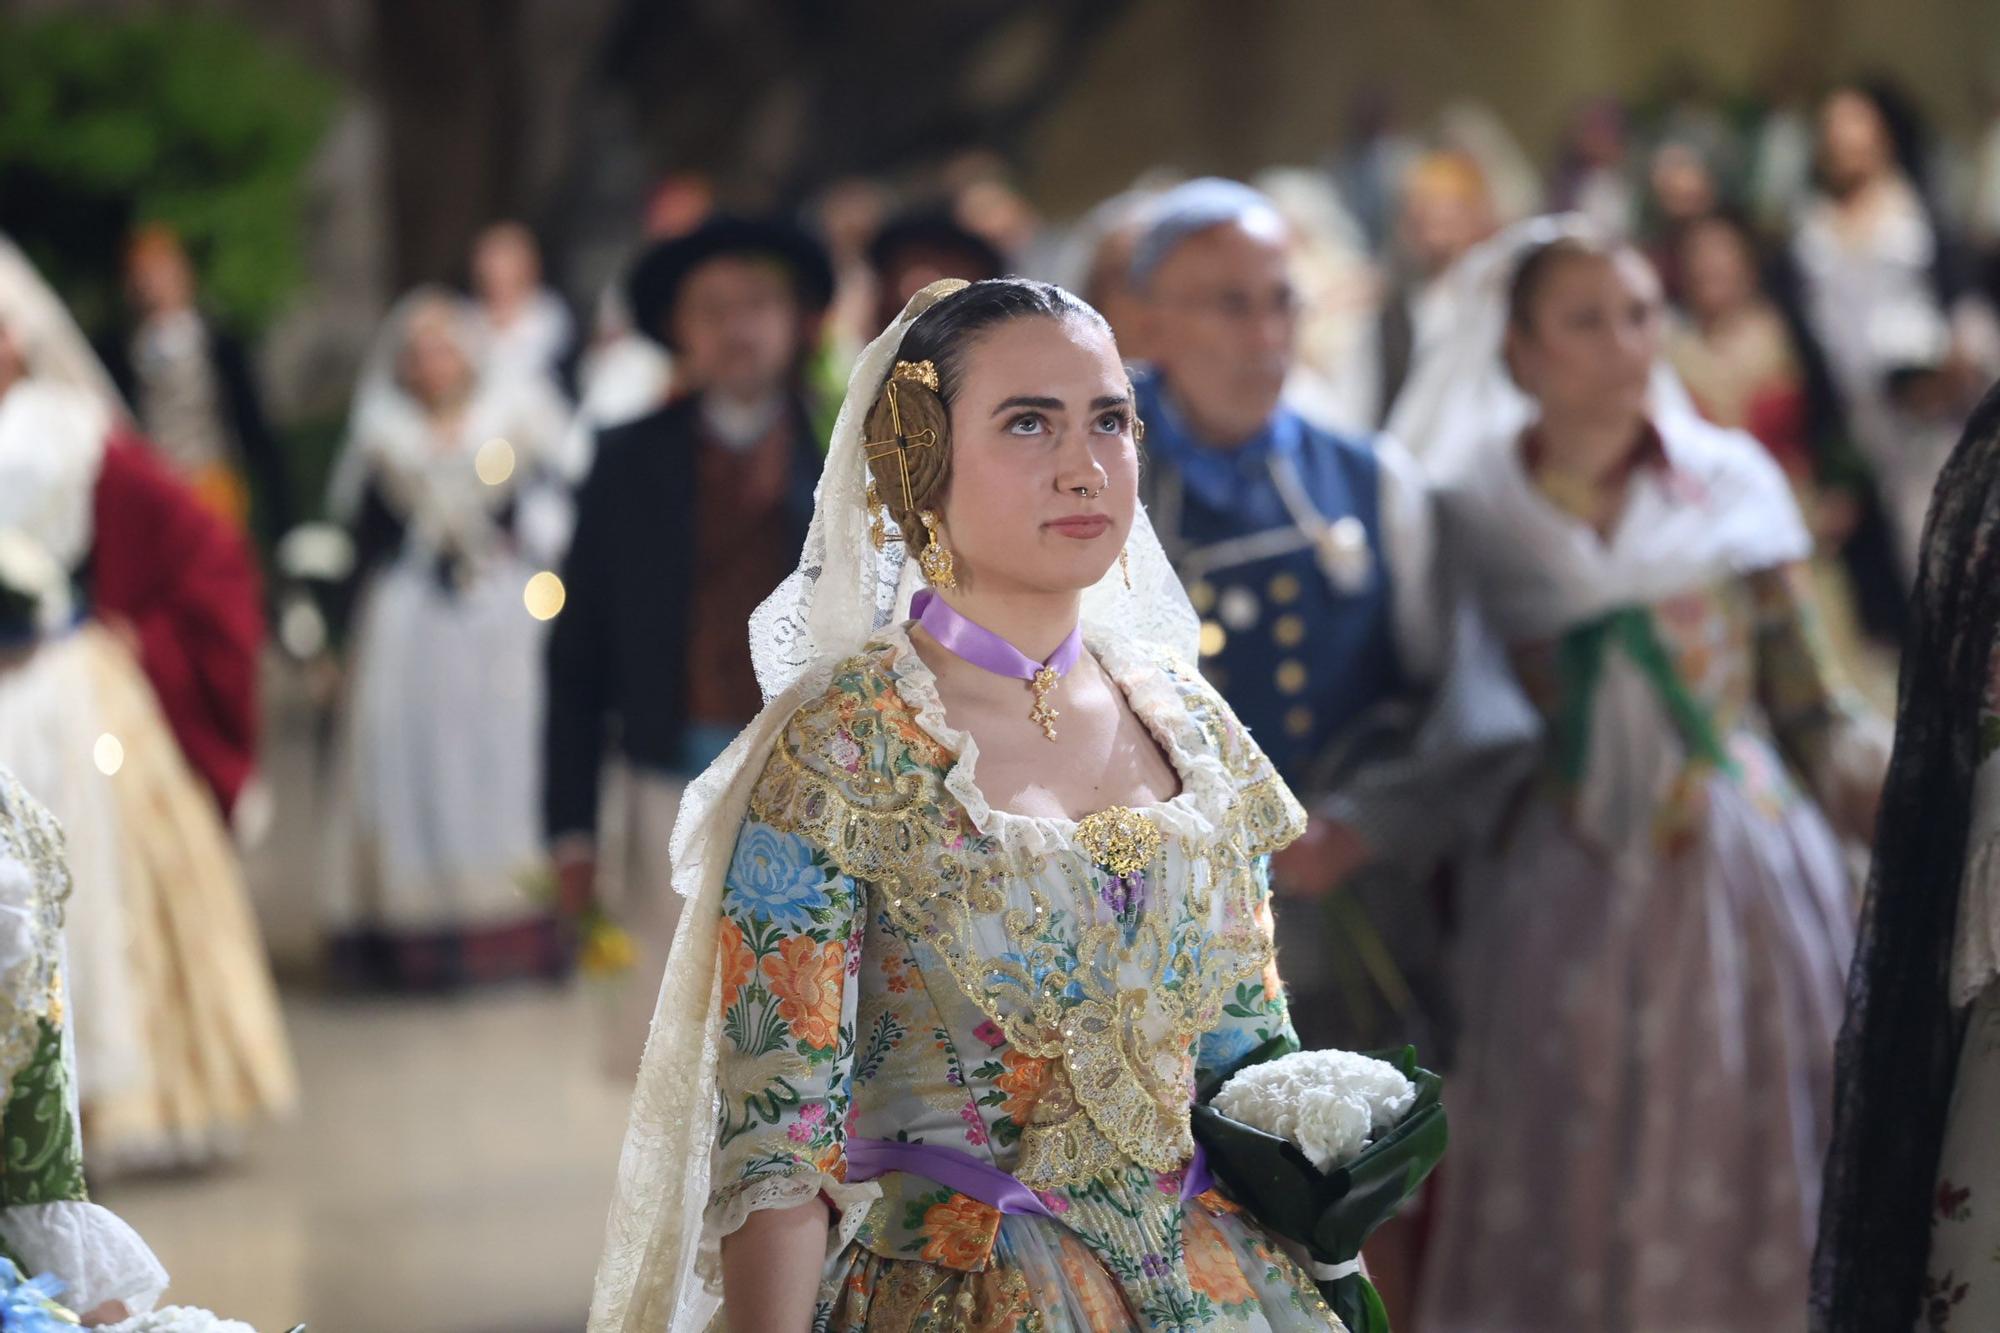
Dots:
pixel 917 372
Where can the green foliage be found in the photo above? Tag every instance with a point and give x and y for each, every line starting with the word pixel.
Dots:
pixel 192 120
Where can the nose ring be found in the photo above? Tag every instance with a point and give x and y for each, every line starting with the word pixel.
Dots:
pixel 1087 493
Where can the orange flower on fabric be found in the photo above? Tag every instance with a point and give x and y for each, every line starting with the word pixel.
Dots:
pixel 806 977
pixel 959 1232
pixel 738 963
pixel 1024 1081
pixel 1091 1289
pixel 1212 1267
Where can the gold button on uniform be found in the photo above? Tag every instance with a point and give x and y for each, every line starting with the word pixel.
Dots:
pixel 1289 630
pixel 1202 593
pixel 1284 588
pixel 1291 675
pixel 1213 637
pixel 1298 721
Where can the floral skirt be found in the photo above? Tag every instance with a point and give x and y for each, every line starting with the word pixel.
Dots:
pixel 1042 1278
pixel 1962 1290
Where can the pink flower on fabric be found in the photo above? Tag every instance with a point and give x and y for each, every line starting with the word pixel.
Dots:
pixel 1167 1182
pixel 811 1116
pixel 1052 1201
pixel 989 1032
pixel 975 1129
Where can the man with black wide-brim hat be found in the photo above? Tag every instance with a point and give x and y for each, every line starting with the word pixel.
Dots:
pixel 690 517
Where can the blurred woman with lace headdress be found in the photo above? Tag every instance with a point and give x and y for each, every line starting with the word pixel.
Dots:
pixel 130 630
pixel 1650 958
pixel 447 481
pixel 973 899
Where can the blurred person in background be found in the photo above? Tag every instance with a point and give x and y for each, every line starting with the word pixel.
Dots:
pixel 1909 346
pixel 690 517
pixel 1326 621
pixel 1749 364
pixel 195 389
pixel 1333 378
pixel 1098 263
pixel 526 326
pixel 441 481
pixel 129 639
pixel 1593 173
pixel 1373 157
pixel 916 248
pixel 1329 625
pixel 627 373
pixel 1443 210
pixel 1682 188
pixel 848 213
pixel 1650 961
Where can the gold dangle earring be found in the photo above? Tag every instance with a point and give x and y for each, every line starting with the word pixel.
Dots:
pixel 1125 567
pixel 935 560
pixel 878 529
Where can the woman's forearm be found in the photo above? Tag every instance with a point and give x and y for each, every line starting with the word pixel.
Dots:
pixel 771 1267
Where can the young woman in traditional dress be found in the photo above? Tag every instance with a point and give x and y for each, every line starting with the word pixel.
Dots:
pixel 973 900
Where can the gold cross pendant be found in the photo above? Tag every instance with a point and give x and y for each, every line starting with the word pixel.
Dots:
pixel 1043 714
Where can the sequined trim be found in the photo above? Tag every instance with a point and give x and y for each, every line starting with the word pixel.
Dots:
pixel 1116 1005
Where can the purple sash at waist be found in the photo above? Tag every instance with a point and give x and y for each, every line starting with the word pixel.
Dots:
pixel 961 1171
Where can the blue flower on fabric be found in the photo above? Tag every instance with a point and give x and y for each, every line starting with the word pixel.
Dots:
pixel 1224 1047
pixel 773 877
pixel 29 1304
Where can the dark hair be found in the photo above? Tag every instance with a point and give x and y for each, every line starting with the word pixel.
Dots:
pixel 943 335
pixel 1897 1056
pixel 1532 272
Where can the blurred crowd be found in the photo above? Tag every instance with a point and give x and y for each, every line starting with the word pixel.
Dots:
pixel 521 608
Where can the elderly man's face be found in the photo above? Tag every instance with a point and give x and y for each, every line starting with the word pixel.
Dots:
pixel 1222 315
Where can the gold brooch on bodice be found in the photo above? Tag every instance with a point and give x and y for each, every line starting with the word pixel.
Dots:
pixel 1123 841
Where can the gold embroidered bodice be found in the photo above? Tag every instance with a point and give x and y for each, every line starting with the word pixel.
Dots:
pixel 1102 949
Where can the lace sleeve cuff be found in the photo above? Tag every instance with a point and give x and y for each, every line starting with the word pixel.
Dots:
pixel 98 1257
pixel 730 1207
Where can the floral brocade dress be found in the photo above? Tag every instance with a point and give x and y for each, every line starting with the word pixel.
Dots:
pixel 899 961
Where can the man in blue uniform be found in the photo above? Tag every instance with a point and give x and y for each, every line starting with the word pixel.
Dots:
pixel 1315 564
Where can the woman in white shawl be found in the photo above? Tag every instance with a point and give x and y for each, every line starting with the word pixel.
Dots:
pixel 1651 961
pixel 436 849
pixel 180 1040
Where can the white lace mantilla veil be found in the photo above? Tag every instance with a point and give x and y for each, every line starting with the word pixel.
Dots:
pixel 53 346
pixel 659 1271
pixel 1460 397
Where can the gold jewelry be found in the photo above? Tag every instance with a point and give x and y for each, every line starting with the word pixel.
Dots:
pixel 1087 493
pixel 934 559
pixel 1043 714
pixel 901 441
pixel 1125 566
pixel 1121 840
pixel 878 528
pixel 917 372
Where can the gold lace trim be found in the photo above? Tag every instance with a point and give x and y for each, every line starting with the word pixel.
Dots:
pixel 850 776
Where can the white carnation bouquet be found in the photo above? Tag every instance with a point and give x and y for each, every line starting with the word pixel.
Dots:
pixel 1322 1147
pixel 1331 1104
pixel 178 1319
